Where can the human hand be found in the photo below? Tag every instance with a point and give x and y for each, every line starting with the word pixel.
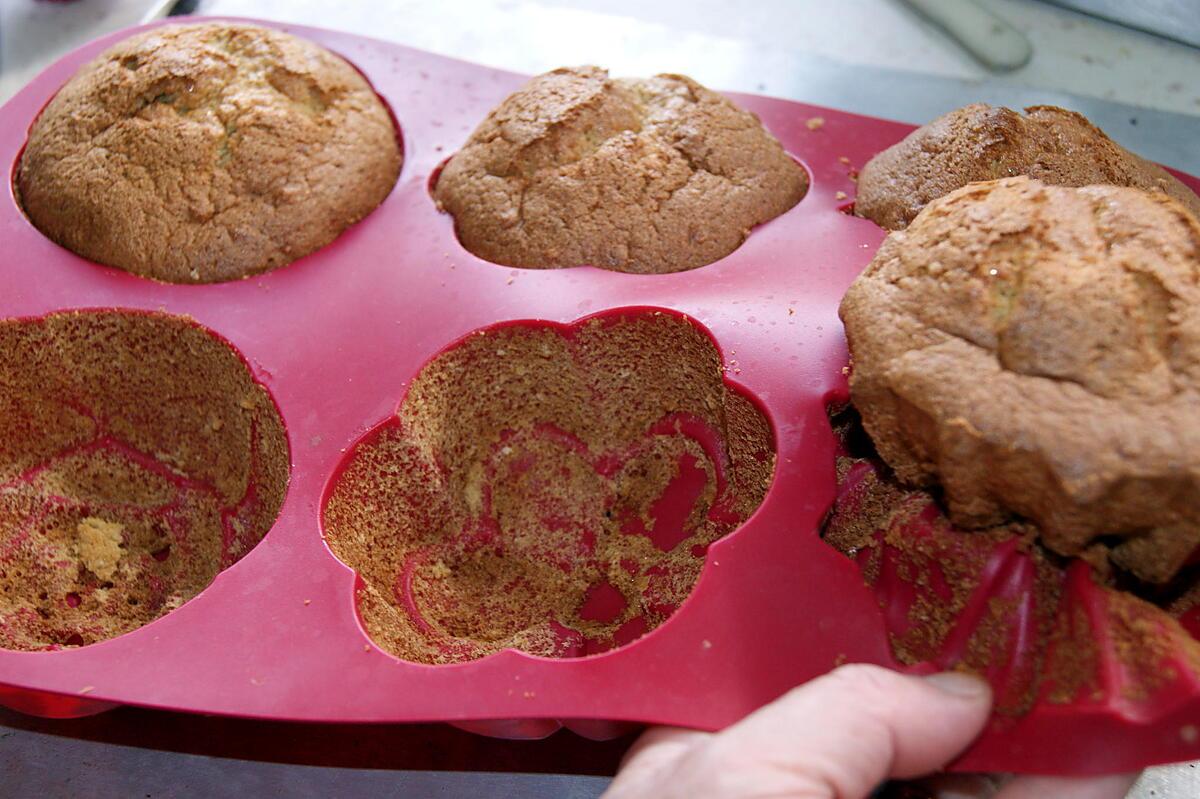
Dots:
pixel 837 737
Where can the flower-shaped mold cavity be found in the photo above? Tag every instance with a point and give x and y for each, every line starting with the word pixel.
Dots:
pixel 1042 630
pixel 547 488
pixel 211 152
pixel 138 458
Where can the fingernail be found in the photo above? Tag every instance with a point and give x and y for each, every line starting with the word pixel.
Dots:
pixel 958 684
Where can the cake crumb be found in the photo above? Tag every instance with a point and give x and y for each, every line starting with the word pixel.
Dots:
pixel 815 123
pixel 307 602
pixel 706 644
pixel 87 689
pixel 99 545
pixel 841 195
pixel 843 159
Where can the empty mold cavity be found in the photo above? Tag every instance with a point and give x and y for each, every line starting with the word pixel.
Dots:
pixel 138 458
pixel 547 488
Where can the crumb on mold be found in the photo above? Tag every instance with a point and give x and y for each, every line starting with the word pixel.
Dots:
pixel 100 545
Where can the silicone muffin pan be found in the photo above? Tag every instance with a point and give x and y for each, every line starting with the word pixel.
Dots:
pixel 668 434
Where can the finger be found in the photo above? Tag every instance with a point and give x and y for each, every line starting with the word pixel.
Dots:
pixel 655 749
pixel 1114 786
pixel 844 733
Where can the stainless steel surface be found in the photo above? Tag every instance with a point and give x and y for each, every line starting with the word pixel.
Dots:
pixel 1174 19
pixel 1163 136
pixel 35 32
pixel 988 37
pixel 677 36
pixel 36 764
pixel 1181 781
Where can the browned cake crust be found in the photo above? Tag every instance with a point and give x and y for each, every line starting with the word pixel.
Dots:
pixel 636 175
pixel 203 153
pixel 981 142
pixel 1036 350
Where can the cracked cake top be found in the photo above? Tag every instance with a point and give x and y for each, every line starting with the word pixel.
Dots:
pixel 635 175
pixel 203 153
pixel 1035 350
pixel 983 142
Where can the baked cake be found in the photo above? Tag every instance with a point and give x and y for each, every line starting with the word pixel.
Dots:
pixel 1035 350
pixel 635 175
pixel 204 153
pixel 982 142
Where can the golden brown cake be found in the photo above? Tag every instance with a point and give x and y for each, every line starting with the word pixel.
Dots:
pixel 982 142
pixel 1035 350
pixel 635 175
pixel 203 153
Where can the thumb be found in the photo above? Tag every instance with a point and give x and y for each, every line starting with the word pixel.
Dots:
pixel 837 736
pixel 844 733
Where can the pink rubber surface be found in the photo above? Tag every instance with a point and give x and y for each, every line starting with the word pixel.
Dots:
pixel 337 336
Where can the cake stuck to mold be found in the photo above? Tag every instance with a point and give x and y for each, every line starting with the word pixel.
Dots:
pixel 549 490
pixel 1034 350
pixel 99 546
pixel 119 499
